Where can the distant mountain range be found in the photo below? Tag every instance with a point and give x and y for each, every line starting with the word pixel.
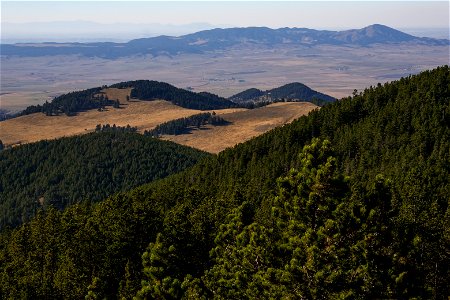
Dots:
pixel 221 39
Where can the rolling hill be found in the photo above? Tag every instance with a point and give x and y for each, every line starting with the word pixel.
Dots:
pixel 290 92
pixel 221 39
pixel 146 115
pixel 146 90
pixel 134 103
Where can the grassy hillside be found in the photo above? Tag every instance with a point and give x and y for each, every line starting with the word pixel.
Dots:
pixel 66 171
pixel 37 126
pixel 146 115
pixel 243 125
pixel 360 212
pixel 97 98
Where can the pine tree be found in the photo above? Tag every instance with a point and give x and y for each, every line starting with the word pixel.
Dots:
pixel 160 267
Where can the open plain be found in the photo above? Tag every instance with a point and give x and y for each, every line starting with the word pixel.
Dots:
pixel 333 70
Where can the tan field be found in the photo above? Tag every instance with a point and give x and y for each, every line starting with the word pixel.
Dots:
pixel 35 127
pixel 145 115
pixel 244 125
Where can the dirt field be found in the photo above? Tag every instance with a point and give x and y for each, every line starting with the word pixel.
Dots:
pixel 245 124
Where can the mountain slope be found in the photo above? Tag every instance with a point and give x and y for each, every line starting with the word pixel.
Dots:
pixel 221 39
pixel 334 225
pixel 90 167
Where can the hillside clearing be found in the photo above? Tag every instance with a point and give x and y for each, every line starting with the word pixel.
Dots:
pixel 118 94
pixel 244 125
pixel 38 126
pixel 145 115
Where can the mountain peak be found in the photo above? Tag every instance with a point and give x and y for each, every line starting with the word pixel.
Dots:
pixel 379 27
pixel 372 34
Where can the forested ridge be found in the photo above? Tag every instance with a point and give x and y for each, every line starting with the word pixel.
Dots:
pixel 150 90
pixel 350 201
pixel 294 91
pixel 89 167
pixel 71 103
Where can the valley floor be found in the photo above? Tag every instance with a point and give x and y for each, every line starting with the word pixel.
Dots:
pixel 333 70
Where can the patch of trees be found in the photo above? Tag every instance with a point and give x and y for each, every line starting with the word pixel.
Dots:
pixel 247 95
pixel 262 103
pixel 152 90
pixel 90 167
pixel 350 201
pixel 185 125
pixel 114 128
pixel 73 102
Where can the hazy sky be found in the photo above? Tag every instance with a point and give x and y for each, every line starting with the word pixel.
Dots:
pixel 317 14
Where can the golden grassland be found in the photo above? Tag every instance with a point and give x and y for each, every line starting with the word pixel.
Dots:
pixel 38 126
pixel 145 115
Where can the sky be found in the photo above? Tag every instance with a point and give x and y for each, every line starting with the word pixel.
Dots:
pixel 274 14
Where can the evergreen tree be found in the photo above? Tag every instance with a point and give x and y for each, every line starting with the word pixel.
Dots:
pixel 160 269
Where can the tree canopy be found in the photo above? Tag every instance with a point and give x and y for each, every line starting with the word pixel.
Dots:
pixel 89 167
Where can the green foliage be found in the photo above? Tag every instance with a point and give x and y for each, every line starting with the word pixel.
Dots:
pixel 284 259
pixel 161 269
pixel 242 258
pixel 90 167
